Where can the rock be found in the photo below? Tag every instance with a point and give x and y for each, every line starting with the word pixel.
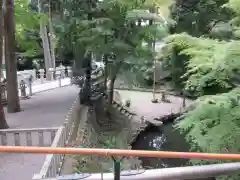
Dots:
pixel 154 122
pixel 154 100
pixel 167 118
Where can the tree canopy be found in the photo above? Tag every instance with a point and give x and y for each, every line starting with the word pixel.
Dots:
pixel 207 60
pixel 27 24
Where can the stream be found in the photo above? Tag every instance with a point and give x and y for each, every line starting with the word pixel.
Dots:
pixel 160 139
pixel 164 138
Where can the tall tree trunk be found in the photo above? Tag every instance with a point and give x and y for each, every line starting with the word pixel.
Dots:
pixel 45 43
pixel 152 45
pixel 46 47
pixel 111 90
pixel 3 122
pixel 51 38
pixel 88 73
pixel 105 60
pixel 11 63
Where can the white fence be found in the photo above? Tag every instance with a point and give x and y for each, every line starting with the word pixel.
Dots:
pixel 54 136
pixel 28 137
pixel 40 76
pixel 53 162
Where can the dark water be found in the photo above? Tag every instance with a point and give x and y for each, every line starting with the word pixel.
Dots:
pixel 164 138
pixel 161 138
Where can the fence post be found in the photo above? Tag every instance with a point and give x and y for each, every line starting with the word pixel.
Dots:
pixel 62 70
pixel 4 93
pixel 51 71
pixel 41 72
pixel 23 89
pixel 58 76
pixel 117 168
pixel 69 70
pixel 30 80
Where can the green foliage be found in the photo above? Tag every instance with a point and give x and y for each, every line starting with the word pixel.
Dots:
pixel 109 27
pixel 26 21
pixel 210 65
pixel 234 5
pixel 214 125
pixel 198 17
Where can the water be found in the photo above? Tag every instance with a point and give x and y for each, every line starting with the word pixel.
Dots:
pixel 164 138
pixel 161 139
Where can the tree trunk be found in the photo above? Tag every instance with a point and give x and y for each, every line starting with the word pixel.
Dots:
pixel 45 43
pixel 51 39
pixel 11 63
pixel 46 47
pixel 105 59
pixel 3 122
pixel 88 73
pixel 111 90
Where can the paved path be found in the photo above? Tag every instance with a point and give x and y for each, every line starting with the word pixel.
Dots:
pixel 45 109
pixel 142 105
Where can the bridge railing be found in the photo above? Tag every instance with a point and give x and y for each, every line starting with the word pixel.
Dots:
pixel 28 136
pixel 163 174
pixel 178 173
pixel 53 162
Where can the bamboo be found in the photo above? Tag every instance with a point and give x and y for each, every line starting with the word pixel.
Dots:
pixel 118 152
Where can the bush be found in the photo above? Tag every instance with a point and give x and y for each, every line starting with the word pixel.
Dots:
pixel 213 126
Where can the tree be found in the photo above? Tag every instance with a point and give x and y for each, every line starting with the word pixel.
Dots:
pixel 234 6
pixel 198 17
pixel 111 31
pixel 209 71
pixel 11 63
pixel 27 29
pixel 213 126
pixel 211 67
pixel 3 122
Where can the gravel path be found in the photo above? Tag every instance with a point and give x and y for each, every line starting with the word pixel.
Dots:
pixel 46 109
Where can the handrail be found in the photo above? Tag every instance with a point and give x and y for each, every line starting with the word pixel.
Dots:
pixel 187 172
pixel 118 152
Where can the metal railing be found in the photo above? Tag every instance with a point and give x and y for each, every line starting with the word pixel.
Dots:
pixel 163 174
pixel 178 173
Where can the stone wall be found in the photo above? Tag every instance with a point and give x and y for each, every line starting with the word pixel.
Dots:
pixel 112 126
pixel 134 124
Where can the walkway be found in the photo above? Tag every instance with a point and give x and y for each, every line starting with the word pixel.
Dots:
pixel 142 105
pixel 45 109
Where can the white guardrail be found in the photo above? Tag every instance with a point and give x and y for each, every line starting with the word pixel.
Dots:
pixel 53 136
pixel 27 137
pixel 53 162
